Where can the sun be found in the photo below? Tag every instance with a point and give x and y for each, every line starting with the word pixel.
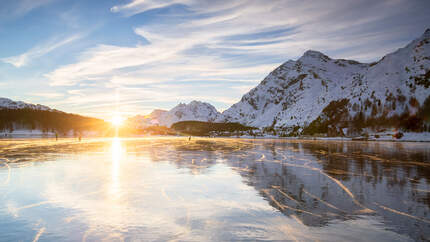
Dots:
pixel 117 121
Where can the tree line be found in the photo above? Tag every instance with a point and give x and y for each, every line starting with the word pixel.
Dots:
pixel 54 121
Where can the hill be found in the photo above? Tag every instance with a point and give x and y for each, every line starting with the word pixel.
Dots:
pixel 16 115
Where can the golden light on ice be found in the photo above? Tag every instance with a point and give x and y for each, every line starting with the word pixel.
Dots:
pixel 117 153
pixel 116 150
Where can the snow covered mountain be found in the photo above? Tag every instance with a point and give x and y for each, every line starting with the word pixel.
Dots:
pixel 6 103
pixel 142 121
pixel 194 111
pixel 299 92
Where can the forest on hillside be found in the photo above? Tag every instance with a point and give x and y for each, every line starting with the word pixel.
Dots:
pixel 335 118
pixel 49 121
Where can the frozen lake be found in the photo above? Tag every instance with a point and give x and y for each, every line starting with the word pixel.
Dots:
pixel 213 189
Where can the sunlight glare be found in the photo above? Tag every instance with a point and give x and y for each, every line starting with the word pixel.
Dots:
pixel 117 153
pixel 117 120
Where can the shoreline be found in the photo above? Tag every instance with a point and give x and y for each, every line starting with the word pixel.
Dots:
pixel 425 138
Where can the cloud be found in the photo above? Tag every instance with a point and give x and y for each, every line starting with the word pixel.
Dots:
pixel 217 34
pixel 326 25
pixel 234 44
pixel 17 8
pixel 47 94
pixel 138 6
pixel 39 51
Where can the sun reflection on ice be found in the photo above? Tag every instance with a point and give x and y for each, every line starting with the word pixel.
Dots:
pixel 117 153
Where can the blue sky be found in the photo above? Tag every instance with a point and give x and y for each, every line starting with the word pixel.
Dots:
pixel 87 57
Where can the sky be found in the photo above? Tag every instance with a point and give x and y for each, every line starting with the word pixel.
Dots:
pixel 95 57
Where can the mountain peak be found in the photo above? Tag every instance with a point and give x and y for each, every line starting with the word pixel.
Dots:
pixel 427 33
pixel 194 102
pixel 157 112
pixel 313 54
pixel 10 104
pixel 193 111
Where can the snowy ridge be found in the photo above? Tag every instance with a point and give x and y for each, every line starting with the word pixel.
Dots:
pixel 142 121
pixel 295 93
pixel 6 103
pixel 194 111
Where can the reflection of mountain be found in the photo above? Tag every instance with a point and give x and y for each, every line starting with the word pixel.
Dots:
pixel 317 182
pixel 195 155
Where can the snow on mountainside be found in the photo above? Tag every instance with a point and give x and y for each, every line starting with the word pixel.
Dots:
pixel 295 93
pixel 10 104
pixel 194 111
pixel 142 121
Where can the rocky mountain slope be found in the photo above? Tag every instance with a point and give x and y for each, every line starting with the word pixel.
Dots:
pixel 10 104
pixel 299 92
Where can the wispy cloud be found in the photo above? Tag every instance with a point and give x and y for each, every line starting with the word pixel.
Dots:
pixel 39 51
pixel 16 8
pixel 233 43
pixel 138 6
pixel 47 94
